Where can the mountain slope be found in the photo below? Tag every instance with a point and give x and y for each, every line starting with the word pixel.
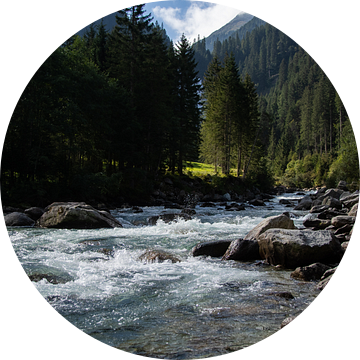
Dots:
pixel 203 55
pixel 228 29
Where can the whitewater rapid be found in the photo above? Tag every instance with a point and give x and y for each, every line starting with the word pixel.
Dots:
pixel 198 307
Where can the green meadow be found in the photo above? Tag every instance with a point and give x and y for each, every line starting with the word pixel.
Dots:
pixel 201 169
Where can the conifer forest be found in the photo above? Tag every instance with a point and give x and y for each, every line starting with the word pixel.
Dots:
pixel 110 113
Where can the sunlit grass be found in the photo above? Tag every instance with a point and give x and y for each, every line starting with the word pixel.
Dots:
pixel 201 169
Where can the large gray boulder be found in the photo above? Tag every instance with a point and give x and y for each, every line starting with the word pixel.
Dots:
pixel 273 222
pixel 293 248
pixel 247 248
pixel 18 219
pixel 341 220
pixel 332 202
pixel 76 216
pixel 353 210
pixel 350 200
pixel 305 203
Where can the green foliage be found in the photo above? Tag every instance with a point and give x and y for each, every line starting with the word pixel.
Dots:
pixel 230 129
pixel 346 165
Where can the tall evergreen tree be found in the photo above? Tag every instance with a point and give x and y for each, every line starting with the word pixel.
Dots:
pixel 187 110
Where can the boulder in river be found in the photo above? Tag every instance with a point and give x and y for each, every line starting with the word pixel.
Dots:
pixel 273 222
pixel 310 272
pixel 247 248
pixel 353 210
pixel 76 216
pixel 159 256
pixel 350 200
pixel 243 250
pixel 305 203
pixel 34 213
pixel 166 218
pixel 18 219
pixel 317 224
pixel 293 248
pixel 211 248
pixel 341 220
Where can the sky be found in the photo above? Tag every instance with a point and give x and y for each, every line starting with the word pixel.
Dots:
pixel 192 18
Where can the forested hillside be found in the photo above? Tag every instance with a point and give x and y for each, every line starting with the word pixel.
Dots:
pixel 104 115
pixel 109 113
pixel 302 135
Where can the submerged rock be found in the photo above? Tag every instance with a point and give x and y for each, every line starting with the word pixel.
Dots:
pixel 287 295
pixel 52 275
pixel 168 218
pixel 53 279
pixel 76 216
pixel 294 248
pixel 151 256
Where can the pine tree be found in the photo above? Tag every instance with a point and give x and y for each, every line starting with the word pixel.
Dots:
pixel 211 132
pixel 101 46
pixel 187 108
pixel 251 119
pixel 230 96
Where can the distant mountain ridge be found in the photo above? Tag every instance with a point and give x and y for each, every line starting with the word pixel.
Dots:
pixel 228 29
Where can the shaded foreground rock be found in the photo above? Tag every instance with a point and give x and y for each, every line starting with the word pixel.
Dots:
pixel 34 213
pixel 242 249
pixel 339 221
pixel 311 272
pixel 18 219
pixel 151 256
pixel 211 248
pixel 326 277
pixel 76 216
pixel 294 248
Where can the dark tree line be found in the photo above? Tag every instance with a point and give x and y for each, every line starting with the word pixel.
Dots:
pixel 105 113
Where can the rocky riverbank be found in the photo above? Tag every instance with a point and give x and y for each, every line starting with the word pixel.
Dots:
pixel 313 251
pixel 62 215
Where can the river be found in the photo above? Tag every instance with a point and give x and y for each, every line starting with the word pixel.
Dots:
pixel 199 307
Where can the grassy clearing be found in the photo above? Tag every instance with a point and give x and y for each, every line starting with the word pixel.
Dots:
pixel 201 169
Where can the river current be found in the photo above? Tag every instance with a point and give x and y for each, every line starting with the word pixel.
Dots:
pixel 199 307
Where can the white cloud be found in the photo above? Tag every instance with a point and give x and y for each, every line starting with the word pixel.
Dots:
pixel 199 19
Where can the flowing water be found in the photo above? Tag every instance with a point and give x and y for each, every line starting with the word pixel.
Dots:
pixel 195 308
